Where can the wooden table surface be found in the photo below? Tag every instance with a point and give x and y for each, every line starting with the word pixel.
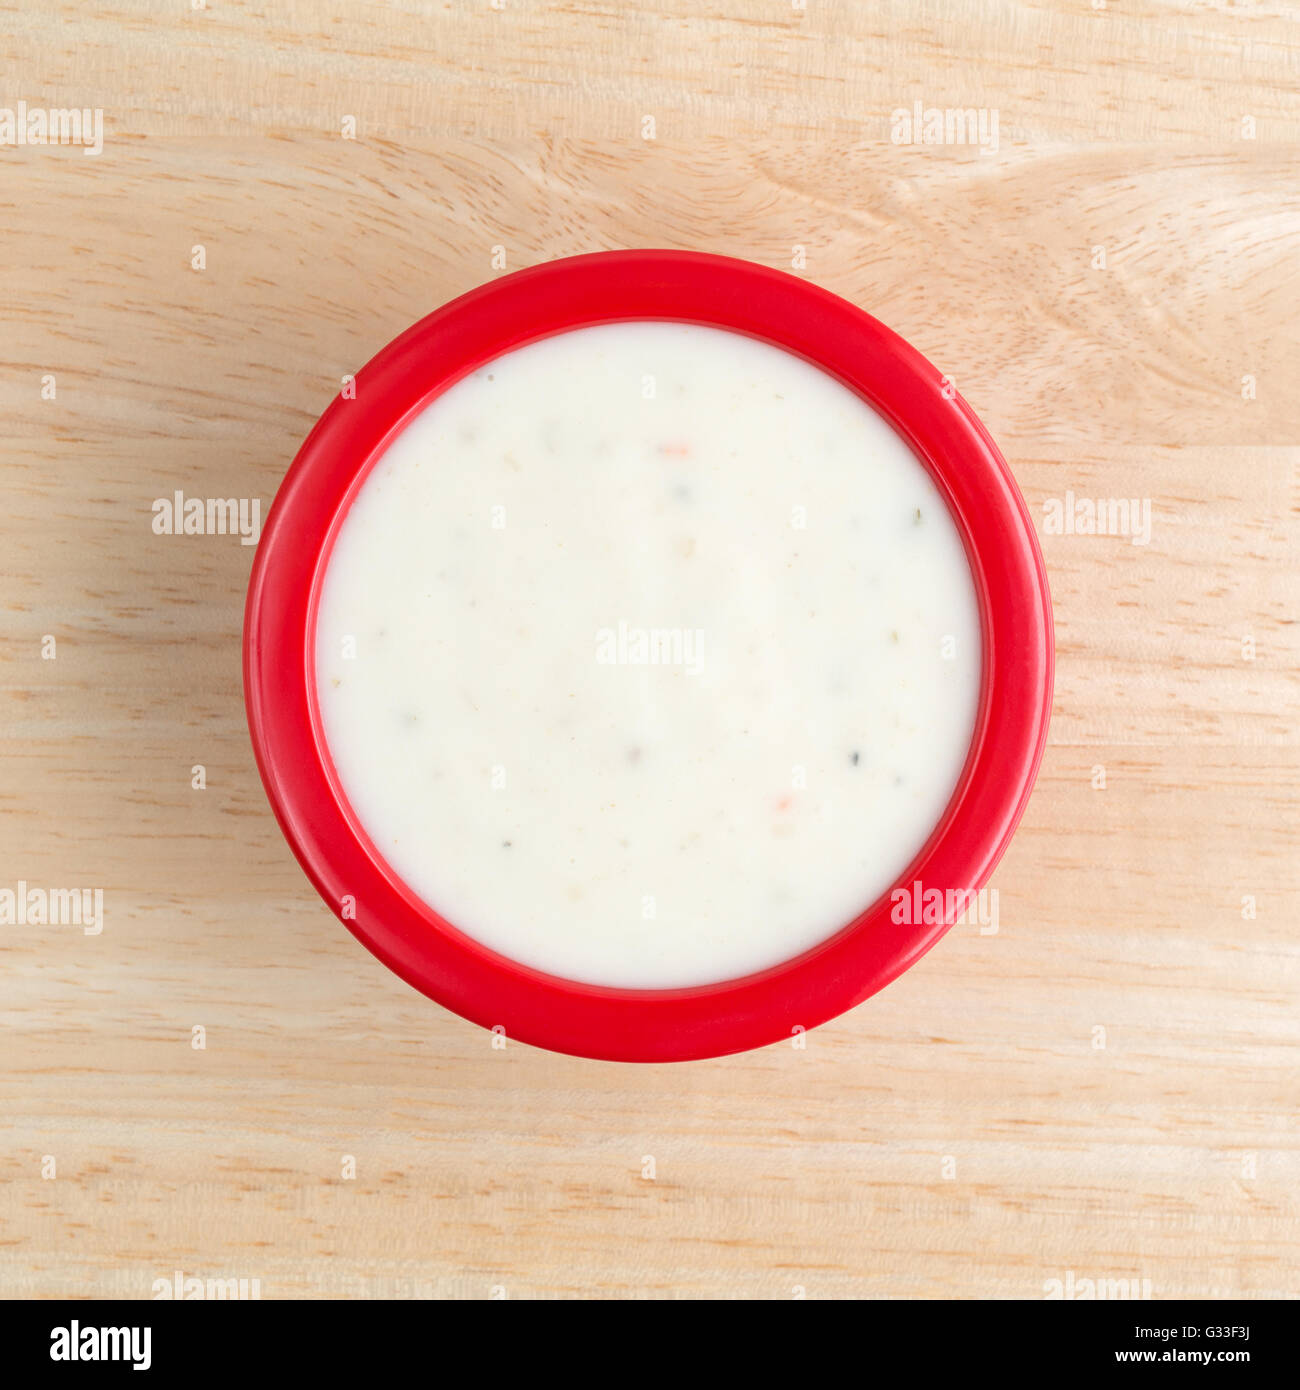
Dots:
pixel 1106 1087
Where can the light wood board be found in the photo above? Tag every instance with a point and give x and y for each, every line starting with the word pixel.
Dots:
pixel 1107 1086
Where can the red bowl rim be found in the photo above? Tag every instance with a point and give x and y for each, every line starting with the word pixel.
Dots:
pixel 279 667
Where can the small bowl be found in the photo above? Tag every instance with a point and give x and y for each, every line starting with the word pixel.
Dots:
pixel 279 658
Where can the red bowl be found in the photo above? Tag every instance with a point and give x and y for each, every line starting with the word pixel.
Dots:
pixel 279 657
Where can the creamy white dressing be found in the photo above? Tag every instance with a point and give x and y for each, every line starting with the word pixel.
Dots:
pixel 648 655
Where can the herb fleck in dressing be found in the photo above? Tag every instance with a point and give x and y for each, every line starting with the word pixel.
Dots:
pixel 649 657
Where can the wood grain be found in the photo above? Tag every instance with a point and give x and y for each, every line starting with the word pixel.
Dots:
pixel 963 1134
